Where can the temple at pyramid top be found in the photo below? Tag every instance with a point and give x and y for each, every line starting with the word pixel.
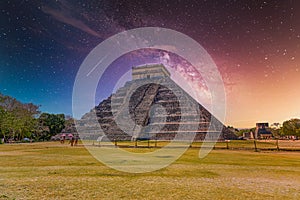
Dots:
pixel 149 71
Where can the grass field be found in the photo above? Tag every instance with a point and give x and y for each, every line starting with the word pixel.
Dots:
pixel 54 171
pixel 261 145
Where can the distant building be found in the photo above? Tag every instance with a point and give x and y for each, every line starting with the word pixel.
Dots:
pixel 262 132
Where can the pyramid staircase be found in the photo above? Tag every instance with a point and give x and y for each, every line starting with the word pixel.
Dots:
pixel 152 109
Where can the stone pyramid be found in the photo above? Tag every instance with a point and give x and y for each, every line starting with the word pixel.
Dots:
pixel 151 106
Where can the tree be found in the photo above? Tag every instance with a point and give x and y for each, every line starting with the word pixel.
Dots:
pixel 3 128
pixel 17 120
pixel 291 127
pixel 70 125
pixel 54 122
pixel 276 132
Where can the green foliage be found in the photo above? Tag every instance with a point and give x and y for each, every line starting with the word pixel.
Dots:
pixel 291 127
pixel 276 132
pixel 17 120
pixel 54 122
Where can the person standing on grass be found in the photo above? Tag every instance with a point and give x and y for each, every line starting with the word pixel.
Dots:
pixel 76 139
pixel 71 139
pixel 62 138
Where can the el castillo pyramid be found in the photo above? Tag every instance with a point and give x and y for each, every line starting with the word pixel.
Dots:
pixel 150 106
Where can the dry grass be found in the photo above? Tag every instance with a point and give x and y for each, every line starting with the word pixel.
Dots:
pixel 234 144
pixel 54 171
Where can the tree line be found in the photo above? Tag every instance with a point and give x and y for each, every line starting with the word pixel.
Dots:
pixel 289 128
pixel 19 121
pixel 24 120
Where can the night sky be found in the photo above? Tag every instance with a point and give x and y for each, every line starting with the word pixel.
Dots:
pixel 255 44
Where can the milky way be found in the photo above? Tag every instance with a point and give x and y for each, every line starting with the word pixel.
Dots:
pixel 255 45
